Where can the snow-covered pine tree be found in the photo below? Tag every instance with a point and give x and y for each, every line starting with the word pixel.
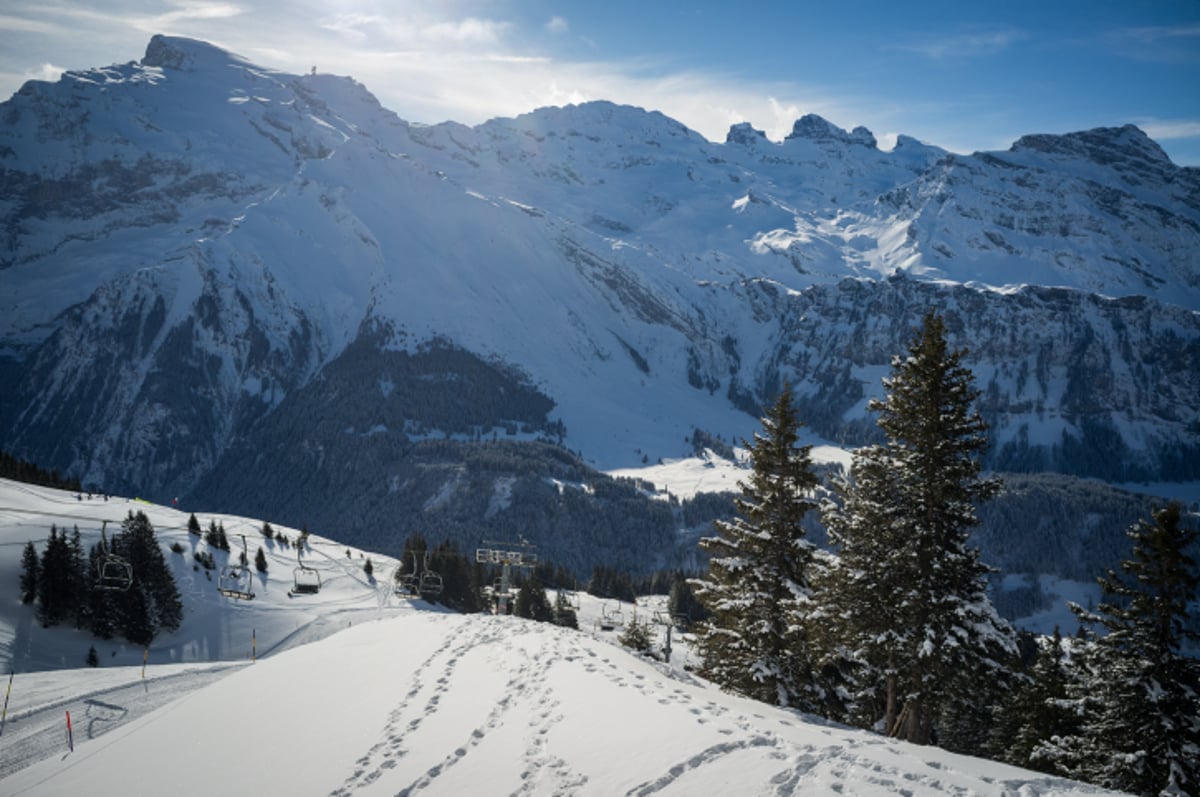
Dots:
pixel 1037 710
pixel 758 589
pixel 1138 688
pixel 909 594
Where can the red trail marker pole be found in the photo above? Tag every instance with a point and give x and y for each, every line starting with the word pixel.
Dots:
pixel 70 736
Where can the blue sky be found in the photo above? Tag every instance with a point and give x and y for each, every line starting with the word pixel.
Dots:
pixel 962 75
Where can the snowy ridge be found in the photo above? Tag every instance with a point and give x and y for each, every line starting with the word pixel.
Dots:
pixel 387 696
pixel 645 280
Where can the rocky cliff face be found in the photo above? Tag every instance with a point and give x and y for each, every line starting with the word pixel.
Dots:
pixel 192 240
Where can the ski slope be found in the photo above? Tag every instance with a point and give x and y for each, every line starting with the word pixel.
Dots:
pixel 430 703
pixel 358 691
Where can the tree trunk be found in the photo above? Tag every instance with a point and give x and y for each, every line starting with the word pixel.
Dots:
pixel 889 722
pixel 913 725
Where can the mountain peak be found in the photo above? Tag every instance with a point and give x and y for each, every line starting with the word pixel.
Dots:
pixel 1104 145
pixel 186 55
pixel 746 135
pixel 819 130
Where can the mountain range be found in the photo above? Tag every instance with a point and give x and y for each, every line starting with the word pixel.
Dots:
pixel 268 293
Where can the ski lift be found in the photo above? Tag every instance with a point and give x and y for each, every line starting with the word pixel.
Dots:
pixel 112 572
pixel 610 619
pixel 306 580
pixel 430 585
pixel 236 581
pixel 405 583
pixel 409 583
pixel 569 598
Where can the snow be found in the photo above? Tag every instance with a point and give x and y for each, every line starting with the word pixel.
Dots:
pixel 355 690
pixel 374 227
pixel 710 472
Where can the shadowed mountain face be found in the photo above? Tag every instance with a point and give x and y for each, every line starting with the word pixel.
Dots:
pixel 210 267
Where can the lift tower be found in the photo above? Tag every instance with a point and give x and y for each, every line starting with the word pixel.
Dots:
pixel 508 555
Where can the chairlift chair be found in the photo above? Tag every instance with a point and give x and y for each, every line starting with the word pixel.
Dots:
pixel 305 581
pixel 236 581
pixel 410 583
pixel 112 572
pixel 610 620
pixel 430 584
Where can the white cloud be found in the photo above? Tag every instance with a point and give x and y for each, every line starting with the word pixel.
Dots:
pixel 1168 129
pixel 557 25
pixel 10 23
pixel 969 45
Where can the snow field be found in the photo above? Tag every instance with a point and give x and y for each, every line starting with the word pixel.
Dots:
pixel 355 691
pixel 434 703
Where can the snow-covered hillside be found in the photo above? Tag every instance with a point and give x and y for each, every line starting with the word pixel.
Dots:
pixel 196 220
pixel 265 292
pixel 214 628
pixel 389 696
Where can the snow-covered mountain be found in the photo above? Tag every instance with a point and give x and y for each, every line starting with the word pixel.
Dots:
pixel 355 690
pixel 209 266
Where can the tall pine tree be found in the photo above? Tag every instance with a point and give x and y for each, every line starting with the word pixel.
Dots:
pixel 30 570
pixel 1138 690
pixel 1037 710
pixel 153 602
pixel 758 589
pixel 909 593
pixel 55 599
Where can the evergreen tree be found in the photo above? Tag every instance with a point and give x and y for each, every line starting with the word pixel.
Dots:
pixel 908 593
pixel 193 525
pixel 1036 711
pixel 758 589
pixel 93 658
pixel 1138 689
pixel 213 535
pixel 102 612
pixel 81 582
pixel 564 611
pixel 153 602
pixel 369 568
pixel 30 569
pixel 260 561
pixel 682 602
pixel 54 587
pixel 532 602
pixel 608 582
pixel 460 579
pixel 637 636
